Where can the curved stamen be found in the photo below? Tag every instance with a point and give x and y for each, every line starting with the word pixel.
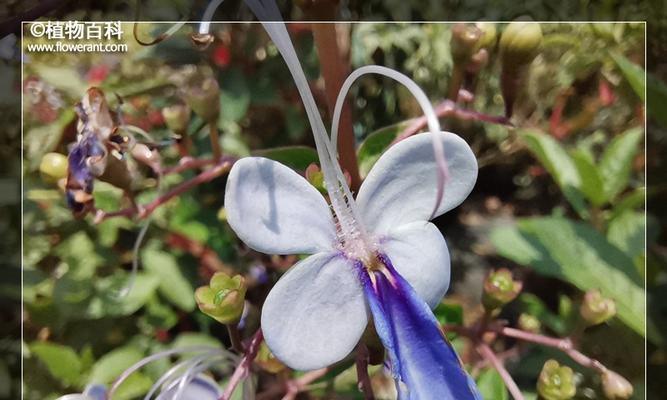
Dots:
pixel 205 26
pixel 424 103
pixel 161 37
pixel 352 230
pixel 208 350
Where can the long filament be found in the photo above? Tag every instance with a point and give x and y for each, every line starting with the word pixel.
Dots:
pixel 342 202
pixel 424 103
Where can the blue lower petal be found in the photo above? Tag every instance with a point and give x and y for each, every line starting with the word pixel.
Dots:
pixel 423 361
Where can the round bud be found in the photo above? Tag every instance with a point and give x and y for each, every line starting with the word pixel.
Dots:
pixel 529 323
pixel 204 99
pixel 556 382
pixel 176 117
pixel 520 42
pixel 596 309
pixel 615 387
pixel 499 289
pixel 53 167
pixel 223 299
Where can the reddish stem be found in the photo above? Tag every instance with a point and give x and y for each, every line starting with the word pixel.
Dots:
pixel 242 370
pixel 448 108
pixel 144 211
pixel 187 163
pixel 488 354
pixel 565 345
pixel 362 372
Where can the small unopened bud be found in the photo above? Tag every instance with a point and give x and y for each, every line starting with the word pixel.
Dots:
pixel 616 387
pixel 499 289
pixel 316 178
pixel 204 99
pixel 596 309
pixel 489 35
pixel 176 117
pixel 223 299
pixel 464 42
pixel 520 42
pixel 53 167
pixel 202 40
pixel 267 361
pixel 556 382
pixel 529 323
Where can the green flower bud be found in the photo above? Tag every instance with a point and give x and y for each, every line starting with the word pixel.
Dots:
pixel 177 117
pixel 499 289
pixel 316 178
pixel 267 361
pixel 223 299
pixel 489 35
pixel 519 43
pixel 53 167
pixel 556 382
pixel 204 99
pixel 596 309
pixel 464 42
pixel 529 323
pixel 615 387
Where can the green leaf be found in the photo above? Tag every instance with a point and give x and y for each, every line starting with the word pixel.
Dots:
pixel 234 95
pixel 559 164
pixel 630 201
pixel 61 361
pixel 174 286
pixel 592 185
pixel 43 139
pixel 63 78
pixel 295 157
pixel 109 302
pixel 491 385
pixel 112 364
pixel 633 73
pixel 627 232
pixel 375 144
pixel 134 386
pixel 577 254
pixel 449 313
pixel 616 162
pixel 78 252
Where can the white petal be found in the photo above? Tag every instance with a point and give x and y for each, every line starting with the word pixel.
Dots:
pixel 276 211
pixel 316 313
pixel 402 186
pixel 419 253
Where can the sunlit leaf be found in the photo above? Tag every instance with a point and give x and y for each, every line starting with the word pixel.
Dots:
pixel 174 286
pixel 559 164
pixel 112 364
pixel 295 157
pixel 491 385
pixel 577 254
pixel 633 73
pixel 61 361
pixel 616 163
pixel 375 144
pixel 592 185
